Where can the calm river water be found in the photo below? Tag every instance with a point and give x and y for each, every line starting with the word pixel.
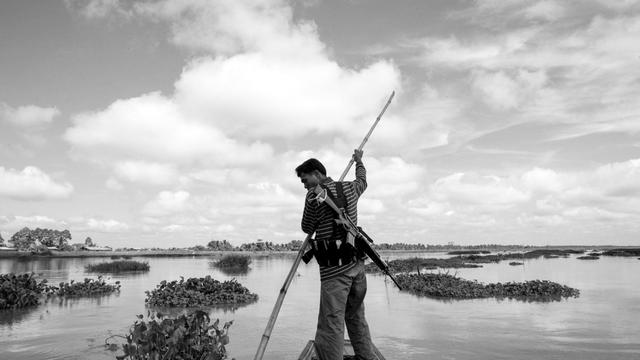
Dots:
pixel 603 323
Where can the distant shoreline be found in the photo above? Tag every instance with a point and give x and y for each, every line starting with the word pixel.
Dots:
pixel 219 253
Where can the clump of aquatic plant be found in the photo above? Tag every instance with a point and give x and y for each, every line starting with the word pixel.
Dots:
pixel 468 252
pixel 451 287
pixel 588 257
pixel 233 262
pixel 622 252
pixel 416 264
pixel 195 292
pixel 19 291
pixel 187 337
pixel 118 266
pixel 88 287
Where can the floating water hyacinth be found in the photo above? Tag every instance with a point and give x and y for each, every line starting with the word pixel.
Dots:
pixel 588 257
pixel 118 266
pixel 413 264
pixel 622 252
pixel 19 291
pixel 233 264
pixel 188 337
pixel 199 292
pixel 451 287
pixel 88 287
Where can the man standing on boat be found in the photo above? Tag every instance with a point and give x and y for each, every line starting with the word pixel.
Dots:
pixel 343 283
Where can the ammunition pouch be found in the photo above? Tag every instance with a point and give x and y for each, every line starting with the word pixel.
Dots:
pixel 307 256
pixel 345 254
pixel 334 255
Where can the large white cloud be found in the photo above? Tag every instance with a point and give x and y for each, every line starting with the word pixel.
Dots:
pixel 154 127
pixel 255 96
pixel 223 106
pixel 31 184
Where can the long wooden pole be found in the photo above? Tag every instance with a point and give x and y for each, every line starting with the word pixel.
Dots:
pixel 283 290
pixel 366 138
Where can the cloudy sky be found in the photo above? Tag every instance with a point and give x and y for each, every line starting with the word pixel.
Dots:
pixel 171 123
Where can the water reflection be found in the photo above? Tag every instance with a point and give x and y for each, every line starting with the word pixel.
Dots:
pixel 118 275
pixel 234 271
pixel 25 265
pixel 9 317
pixel 211 310
pixel 70 302
pixel 13 316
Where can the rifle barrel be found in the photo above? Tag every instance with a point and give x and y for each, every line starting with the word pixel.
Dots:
pixel 388 273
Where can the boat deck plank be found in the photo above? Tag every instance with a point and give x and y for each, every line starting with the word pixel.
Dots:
pixel 309 351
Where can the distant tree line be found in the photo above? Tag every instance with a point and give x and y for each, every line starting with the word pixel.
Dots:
pixel 399 246
pixel 224 245
pixel 294 245
pixel 27 239
pixel 42 240
pixel 440 247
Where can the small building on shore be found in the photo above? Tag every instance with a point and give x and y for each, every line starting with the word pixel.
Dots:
pixel 97 248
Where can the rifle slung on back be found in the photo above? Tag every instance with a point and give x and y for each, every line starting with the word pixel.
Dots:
pixel 361 239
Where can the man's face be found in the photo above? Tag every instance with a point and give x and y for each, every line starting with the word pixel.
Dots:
pixel 309 180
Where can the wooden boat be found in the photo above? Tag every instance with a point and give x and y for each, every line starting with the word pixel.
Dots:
pixel 309 352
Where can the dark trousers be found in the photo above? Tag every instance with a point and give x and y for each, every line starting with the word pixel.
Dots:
pixel 341 301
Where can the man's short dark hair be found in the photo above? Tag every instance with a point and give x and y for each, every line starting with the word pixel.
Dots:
pixel 309 166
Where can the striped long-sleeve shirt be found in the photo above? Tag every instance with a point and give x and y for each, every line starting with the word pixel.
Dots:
pixel 319 218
